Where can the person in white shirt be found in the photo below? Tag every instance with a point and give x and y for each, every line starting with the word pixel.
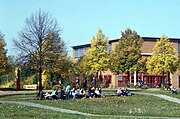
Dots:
pixel 82 93
pixel 120 92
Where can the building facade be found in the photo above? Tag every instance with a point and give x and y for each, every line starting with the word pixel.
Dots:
pixel 146 50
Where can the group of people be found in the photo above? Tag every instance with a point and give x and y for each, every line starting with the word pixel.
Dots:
pixel 74 93
pixel 56 94
pixel 126 92
pixel 94 93
pixel 84 83
pixel 78 93
pixel 55 83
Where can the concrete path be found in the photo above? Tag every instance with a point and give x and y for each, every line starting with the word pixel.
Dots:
pixel 161 96
pixel 81 113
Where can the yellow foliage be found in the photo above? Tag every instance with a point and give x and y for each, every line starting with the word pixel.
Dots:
pixel 9 84
pixel 30 79
pixel 44 78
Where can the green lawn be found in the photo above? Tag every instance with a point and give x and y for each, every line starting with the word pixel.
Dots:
pixel 160 91
pixel 13 111
pixel 136 105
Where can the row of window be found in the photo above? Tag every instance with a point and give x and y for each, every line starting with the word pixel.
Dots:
pixel 78 52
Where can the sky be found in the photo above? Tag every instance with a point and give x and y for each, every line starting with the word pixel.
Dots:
pixel 81 19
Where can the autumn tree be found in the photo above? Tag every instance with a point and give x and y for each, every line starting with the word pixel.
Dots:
pixel 56 60
pixel 127 53
pixel 164 58
pixel 30 43
pixel 5 65
pixel 96 57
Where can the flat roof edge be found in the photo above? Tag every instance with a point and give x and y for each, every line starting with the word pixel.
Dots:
pixel 115 40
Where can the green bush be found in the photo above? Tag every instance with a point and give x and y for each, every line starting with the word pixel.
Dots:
pixel 128 85
pixel 46 86
pixel 57 87
pixel 144 87
pixel 136 86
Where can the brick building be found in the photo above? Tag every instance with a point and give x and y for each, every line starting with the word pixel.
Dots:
pixel 146 50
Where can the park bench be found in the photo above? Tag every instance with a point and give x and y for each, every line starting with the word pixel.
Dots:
pixel 32 86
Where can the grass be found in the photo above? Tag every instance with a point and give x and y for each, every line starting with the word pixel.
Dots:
pixel 163 92
pixel 23 112
pixel 136 105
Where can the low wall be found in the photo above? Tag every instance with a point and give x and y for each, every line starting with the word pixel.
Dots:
pixel 32 86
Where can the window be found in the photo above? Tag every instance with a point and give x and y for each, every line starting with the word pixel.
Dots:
pixel 179 46
pixel 110 48
pixel 119 78
pixel 79 52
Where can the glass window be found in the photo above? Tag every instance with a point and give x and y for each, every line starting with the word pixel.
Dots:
pixel 110 48
pixel 79 52
pixel 75 53
pixel 119 78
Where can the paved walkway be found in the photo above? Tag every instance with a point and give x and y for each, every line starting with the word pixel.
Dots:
pixel 161 96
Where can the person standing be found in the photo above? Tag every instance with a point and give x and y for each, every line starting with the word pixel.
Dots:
pixel 85 84
pixel 68 89
pixel 60 82
pixel 94 81
pixel 54 83
pixel 77 82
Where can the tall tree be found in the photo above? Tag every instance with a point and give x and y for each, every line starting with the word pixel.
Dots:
pixel 127 52
pixel 96 57
pixel 30 43
pixel 56 60
pixel 5 66
pixel 164 58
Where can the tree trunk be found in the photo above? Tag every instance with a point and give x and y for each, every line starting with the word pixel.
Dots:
pixel 18 80
pixel 100 77
pixel 128 73
pixel 40 79
pixel 97 75
pixel 137 77
pixel 162 84
pixel 169 80
pixel 51 77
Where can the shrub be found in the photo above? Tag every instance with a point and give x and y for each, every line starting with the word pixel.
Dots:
pixel 57 86
pixel 144 87
pixel 136 86
pixel 46 86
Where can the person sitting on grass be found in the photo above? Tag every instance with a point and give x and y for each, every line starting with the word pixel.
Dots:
pixel 156 84
pixel 82 93
pixel 47 96
pixel 74 93
pixel 54 94
pixel 174 91
pixel 40 95
pixel 120 92
pixel 61 94
pixel 91 92
pixel 98 94
pixel 128 92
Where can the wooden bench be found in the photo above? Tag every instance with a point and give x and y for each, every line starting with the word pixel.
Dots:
pixel 32 86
